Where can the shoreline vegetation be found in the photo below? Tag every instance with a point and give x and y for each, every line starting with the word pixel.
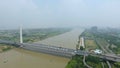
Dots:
pixel 32 35
pixel 4 47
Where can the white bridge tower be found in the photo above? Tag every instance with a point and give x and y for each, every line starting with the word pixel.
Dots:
pixel 21 37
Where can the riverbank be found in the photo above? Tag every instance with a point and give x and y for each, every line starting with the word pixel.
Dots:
pixel 4 47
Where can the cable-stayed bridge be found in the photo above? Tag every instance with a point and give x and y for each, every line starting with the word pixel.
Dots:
pixel 58 51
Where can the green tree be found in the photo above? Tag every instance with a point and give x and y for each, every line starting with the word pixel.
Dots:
pixel 81 48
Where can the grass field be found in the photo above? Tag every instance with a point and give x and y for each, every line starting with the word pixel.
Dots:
pixel 90 44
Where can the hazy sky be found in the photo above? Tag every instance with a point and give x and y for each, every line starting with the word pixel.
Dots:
pixel 59 13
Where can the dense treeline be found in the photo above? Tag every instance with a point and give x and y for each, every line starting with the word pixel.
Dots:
pixel 94 62
pixel 76 62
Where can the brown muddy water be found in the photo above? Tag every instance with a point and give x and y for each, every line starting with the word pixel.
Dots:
pixel 19 58
pixel 66 40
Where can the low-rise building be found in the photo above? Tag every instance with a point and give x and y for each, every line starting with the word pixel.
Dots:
pixel 98 51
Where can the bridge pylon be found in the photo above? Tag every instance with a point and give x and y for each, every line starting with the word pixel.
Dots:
pixel 21 35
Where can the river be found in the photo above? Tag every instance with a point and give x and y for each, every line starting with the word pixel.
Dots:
pixel 19 58
pixel 66 40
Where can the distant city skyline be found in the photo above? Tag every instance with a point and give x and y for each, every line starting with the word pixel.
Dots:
pixel 59 13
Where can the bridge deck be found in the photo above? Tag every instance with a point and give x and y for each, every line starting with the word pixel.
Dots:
pixel 49 49
pixel 65 52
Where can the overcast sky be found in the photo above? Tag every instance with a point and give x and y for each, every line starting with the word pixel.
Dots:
pixel 59 13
